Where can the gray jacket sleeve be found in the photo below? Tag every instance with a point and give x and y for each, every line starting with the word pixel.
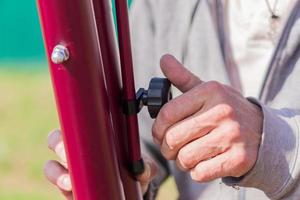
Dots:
pixel 277 170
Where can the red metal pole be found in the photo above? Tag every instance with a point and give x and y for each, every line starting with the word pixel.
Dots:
pixel 81 98
pixel 110 57
pixel 129 93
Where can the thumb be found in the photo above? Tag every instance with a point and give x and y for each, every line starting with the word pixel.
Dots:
pixel 179 76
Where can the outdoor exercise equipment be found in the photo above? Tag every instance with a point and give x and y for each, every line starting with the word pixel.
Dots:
pixel 97 111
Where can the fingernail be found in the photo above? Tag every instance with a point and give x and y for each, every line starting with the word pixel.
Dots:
pixel 65 183
pixel 60 150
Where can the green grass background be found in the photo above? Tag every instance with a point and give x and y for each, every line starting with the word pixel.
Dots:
pixel 27 114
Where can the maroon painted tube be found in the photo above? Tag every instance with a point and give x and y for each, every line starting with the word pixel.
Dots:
pixel 129 93
pixel 81 99
pixel 110 57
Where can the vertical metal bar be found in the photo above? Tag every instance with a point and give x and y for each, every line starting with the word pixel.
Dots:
pixel 81 99
pixel 128 83
pixel 110 57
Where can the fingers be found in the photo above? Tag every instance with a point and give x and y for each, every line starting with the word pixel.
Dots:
pixel 58 175
pixel 55 143
pixel 182 78
pixel 171 146
pixel 149 173
pixel 56 172
pixel 212 169
pixel 202 149
pixel 190 129
pixel 176 110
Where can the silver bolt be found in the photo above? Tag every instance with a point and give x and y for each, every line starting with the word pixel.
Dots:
pixel 60 54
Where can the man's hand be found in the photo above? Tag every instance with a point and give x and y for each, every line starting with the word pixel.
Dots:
pixel 211 130
pixel 58 174
pixel 55 171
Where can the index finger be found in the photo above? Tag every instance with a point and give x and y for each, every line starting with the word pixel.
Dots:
pixel 178 109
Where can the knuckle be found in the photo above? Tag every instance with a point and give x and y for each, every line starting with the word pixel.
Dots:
pixel 165 114
pixel 185 159
pixel 54 137
pixel 157 133
pixel 234 133
pixel 166 155
pixel 235 130
pixel 154 130
pixel 47 166
pixel 169 155
pixel 198 176
pixel 241 163
pixel 235 127
pixel 50 169
pixel 170 139
pixel 214 86
pixel 226 110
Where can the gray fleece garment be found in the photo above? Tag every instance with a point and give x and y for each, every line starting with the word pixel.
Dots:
pixel 194 31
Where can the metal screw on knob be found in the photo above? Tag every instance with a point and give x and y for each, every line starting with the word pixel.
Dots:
pixel 60 54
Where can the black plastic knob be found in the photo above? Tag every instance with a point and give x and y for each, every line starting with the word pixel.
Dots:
pixel 157 95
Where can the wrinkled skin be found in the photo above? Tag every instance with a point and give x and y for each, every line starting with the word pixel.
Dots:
pixel 211 130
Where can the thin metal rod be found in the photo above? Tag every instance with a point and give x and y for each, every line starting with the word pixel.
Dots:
pixel 81 98
pixel 128 79
pixel 111 63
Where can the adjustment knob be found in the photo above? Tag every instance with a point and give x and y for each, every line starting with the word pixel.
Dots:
pixel 157 95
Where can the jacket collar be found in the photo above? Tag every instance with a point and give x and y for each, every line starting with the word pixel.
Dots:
pixel 283 53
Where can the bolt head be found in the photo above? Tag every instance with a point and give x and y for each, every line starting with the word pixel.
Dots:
pixel 60 54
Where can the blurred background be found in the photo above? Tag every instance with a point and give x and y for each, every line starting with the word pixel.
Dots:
pixel 27 110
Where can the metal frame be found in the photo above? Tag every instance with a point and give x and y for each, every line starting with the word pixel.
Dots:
pixel 101 142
